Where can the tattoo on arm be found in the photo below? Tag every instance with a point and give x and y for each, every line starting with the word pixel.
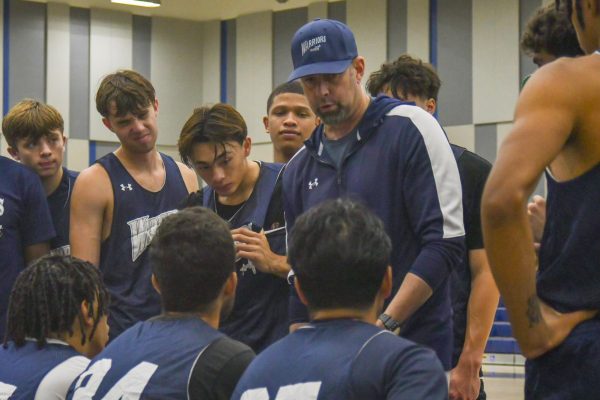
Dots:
pixel 534 313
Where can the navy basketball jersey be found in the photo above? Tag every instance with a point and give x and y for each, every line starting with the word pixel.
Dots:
pixel 569 267
pixel 343 359
pixel 28 371
pixel 59 202
pixel 24 221
pixel 155 359
pixel 124 260
pixel 260 313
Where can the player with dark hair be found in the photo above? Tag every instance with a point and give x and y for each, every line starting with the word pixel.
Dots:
pixel 340 253
pixel 474 293
pixel 179 354
pixel 549 35
pixel 289 120
pixel 56 319
pixel 34 132
pixel 396 159
pixel 120 200
pixel 553 298
pixel 25 226
pixel 247 194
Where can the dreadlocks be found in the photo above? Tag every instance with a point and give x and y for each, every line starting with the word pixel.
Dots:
pixel 47 297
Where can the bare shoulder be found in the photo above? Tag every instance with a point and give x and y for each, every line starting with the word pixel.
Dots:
pixel 93 183
pixel 189 177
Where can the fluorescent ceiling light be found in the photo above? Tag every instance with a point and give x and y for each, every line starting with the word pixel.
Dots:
pixel 140 3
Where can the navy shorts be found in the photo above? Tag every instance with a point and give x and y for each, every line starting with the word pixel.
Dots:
pixel 570 371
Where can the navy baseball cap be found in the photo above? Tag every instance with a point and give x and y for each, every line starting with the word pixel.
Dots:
pixel 323 46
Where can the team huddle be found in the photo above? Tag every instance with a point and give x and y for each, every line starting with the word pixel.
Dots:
pixel 354 266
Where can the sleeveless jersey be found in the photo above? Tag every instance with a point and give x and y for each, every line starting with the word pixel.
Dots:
pixel 60 208
pixel 155 359
pixel 123 255
pixel 28 371
pixel 260 315
pixel 569 258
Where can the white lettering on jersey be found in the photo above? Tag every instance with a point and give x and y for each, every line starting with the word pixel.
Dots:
pixel 6 390
pixel 1 206
pixel 61 251
pixel 299 391
pixel 143 230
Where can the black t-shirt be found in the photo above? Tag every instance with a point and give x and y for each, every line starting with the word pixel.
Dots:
pixel 473 171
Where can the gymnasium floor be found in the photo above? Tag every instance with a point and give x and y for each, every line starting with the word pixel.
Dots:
pixel 504 382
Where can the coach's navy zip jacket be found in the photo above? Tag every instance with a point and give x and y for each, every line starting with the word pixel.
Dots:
pixel 401 166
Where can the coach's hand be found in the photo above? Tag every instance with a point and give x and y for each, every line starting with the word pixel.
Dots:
pixel 255 247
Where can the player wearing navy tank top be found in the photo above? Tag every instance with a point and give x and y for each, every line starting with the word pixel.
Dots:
pixel 57 319
pixel 119 202
pixel 243 192
pixel 553 304
pixel 35 134
pixel 340 254
pixel 179 354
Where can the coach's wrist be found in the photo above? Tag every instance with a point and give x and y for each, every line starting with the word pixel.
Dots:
pixel 390 323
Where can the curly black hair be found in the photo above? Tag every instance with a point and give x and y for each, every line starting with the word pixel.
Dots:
pixel 405 76
pixel 550 30
pixel 47 297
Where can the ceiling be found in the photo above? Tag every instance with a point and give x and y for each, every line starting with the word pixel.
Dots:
pixel 198 10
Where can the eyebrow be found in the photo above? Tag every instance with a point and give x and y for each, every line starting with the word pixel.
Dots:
pixel 218 157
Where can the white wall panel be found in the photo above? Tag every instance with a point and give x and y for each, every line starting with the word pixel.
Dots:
pixel 211 62
pixel 78 151
pixel 110 49
pixel 176 73
pixel 461 135
pixel 317 10
pixel 254 70
pixel 58 52
pixel 495 60
pixel 417 43
pixel 368 21
pixel 262 151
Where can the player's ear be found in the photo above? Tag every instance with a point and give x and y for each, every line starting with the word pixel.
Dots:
pixel 386 283
pixel 155 284
pixel 88 317
pixel 431 105
pixel 301 294
pixel 107 123
pixel 247 146
pixel 14 153
pixel 230 285
pixel 266 124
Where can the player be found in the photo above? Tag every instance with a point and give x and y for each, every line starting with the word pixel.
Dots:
pixel 289 120
pixel 340 253
pixel 34 132
pixel 474 293
pixel 25 226
pixel 56 320
pixel 246 194
pixel 179 354
pixel 553 303
pixel 120 200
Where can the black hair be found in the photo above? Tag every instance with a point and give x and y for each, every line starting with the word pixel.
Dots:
pixel 288 87
pixel 339 252
pixel 219 124
pixel 47 296
pixel 405 76
pixel 192 256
